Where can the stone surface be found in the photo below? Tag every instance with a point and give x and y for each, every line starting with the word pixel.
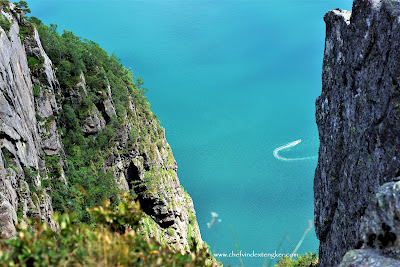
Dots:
pixel 20 132
pixel 380 225
pixel 367 258
pixel 379 231
pixel 358 118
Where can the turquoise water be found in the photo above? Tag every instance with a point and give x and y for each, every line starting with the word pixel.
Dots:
pixel 230 81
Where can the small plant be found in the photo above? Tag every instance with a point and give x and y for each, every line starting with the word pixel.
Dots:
pixel 6 157
pixel 36 90
pixel 170 231
pixel 34 64
pixel 306 260
pixel 5 24
pixel 30 176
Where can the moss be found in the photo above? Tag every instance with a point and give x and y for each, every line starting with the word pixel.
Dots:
pixel 171 231
pixel 192 217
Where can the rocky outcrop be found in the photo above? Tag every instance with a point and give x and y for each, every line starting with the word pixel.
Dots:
pixel 21 137
pixel 358 118
pixel 139 156
pixel 379 231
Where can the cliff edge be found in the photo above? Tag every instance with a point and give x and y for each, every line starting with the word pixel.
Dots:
pixel 75 128
pixel 358 118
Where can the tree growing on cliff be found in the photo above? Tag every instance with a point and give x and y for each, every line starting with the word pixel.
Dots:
pixel 22 7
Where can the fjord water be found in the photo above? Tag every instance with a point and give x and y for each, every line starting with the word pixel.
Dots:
pixel 230 81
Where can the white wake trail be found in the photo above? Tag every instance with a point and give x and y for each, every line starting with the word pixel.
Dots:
pixel 287 146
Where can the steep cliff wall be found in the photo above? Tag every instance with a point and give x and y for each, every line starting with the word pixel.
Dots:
pixel 358 118
pixel 21 141
pixel 46 122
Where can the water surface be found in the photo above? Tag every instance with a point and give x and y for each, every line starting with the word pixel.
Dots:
pixel 231 81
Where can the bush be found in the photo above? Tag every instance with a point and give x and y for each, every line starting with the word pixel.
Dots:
pixel 5 24
pixel 76 244
pixel 34 64
pixel 306 260
pixel 36 90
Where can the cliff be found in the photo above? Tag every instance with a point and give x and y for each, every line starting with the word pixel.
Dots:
pixel 358 118
pixel 75 128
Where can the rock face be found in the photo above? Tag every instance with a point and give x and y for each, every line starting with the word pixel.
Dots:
pixel 21 139
pixel 140 157
pixel 379 231
pixel 358 118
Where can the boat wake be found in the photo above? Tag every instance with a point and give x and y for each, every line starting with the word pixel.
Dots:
pixel 287 146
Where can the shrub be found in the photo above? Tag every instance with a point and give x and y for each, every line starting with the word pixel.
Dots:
pixel 35 64
pixel 5 24
pixel 6 157
pixel 36 90
pixel 76 244
pixel 306 260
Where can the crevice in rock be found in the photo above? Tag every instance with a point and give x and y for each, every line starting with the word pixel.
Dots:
pixel 100 106
pixel 132 176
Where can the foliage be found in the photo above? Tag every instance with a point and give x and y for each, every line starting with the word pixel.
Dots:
pixel 5 24
pixel 36 90
pixel 72 56
pixel 76 244
pixel 34 64
pixel 5 4
pixel 306 260
pixel 26 29
pixel 6 157
pixel 22 7
pixel 30 176
pixel 127 212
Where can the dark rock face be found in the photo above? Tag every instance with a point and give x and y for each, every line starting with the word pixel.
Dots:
pixel 358 118
pixel 379 231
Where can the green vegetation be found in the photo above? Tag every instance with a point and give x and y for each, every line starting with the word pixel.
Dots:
pixel 6 157
pixel 306 260
pixel 78 180
pixel 5 24
pixel 36 90
pixel 114 242
pixel 34 64
pixel 22 7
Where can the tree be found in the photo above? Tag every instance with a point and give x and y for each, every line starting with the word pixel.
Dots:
pixel 22 7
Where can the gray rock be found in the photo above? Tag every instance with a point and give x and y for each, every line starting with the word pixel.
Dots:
pixel 94 122
pixel 379 231
pixel 380 226
pixel 20 132
pixel 358 118
pixel 367 258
